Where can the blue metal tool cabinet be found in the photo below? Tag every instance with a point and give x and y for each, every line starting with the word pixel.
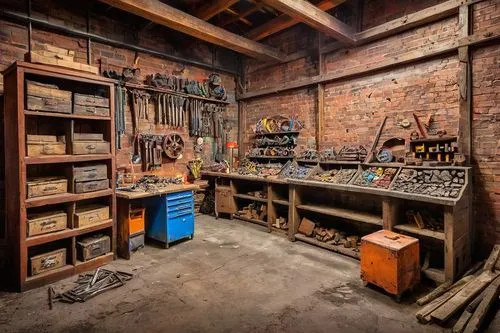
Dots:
pixel 170 217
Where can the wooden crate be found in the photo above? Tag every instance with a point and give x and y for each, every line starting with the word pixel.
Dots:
pixel 92 247
pixel 48 261
pixel 90 172
pixel 38 145
pixel 41 186
pixel 43 223
pixel 91 214
pixel 47 97
pixel 91 147
pixel 224 202
pixel 91 186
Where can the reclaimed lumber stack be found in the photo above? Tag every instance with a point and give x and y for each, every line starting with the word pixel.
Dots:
pixel 473 296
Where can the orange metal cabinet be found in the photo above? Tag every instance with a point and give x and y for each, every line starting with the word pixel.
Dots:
pixel 136 221
pixel 390 261
pixel 224 201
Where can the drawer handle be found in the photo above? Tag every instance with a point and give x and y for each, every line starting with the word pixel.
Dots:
pixel 92 175
pixel 49 188
pixel 93 185
pixel 90 147
pixel 48 224
pixel 184 220
pixel 49 262
pixel 95 248
pixel 93 217
pixel 47 149
pixel 91 110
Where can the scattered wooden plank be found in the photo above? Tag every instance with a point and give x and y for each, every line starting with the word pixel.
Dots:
pixel 423 315
pixel 441 289
pixel 463 297
pixel 492 259
pixel 461 322
pixel 489 297
pixel 478 265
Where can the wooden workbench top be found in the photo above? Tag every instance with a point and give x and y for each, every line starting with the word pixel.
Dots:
pixel 169 189
pixel 244 177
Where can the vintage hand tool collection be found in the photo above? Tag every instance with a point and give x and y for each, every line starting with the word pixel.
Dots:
pixel 152 146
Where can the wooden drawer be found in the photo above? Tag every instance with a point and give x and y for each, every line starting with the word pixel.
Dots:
pixel 88 137
pixel 92 247
pixel 91 214
pixel 136 221
pixel 47 97
pixel 90 172
pixel 95 185
pixel 91 110
pixel 48 261
pixel 91 147
pixel 44 223
pixel 91 100
pixel 37 145
pixel 39 187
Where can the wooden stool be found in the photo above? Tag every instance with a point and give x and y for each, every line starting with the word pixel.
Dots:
pixel 390 261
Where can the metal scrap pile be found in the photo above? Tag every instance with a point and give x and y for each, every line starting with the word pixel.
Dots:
pixel 352 154
pixel 91 285
pixel 308 154
pixel 335 176
pixel 376 177
pixel 284 140
pixel 436 183
pixel 211 87
pixel 270 169
pixel 152 183
pixel 278 124
pixel 247 167
pixel 272 151
pixel 296 171
pixel 217 167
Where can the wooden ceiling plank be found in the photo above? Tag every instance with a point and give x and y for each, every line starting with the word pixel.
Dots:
pixel 306 12
pixel 241 16
pixel 213 8
pixel 175 19
pixel 284 21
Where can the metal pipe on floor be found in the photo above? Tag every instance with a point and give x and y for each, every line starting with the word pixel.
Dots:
pixel 97 38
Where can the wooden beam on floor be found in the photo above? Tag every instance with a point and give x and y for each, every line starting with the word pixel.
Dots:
pixel 306 12
pixel 212 8
pixel 175 19
pixel 284 21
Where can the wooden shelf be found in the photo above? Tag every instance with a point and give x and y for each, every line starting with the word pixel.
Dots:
pixel 65 197
pixel 173 92
pixel 82 266
pixel 67 233
pixel 249 197
pixel 46 159
pixel 277 133
pixel 340 162
pixel 335 248
pixel 247 219
pixel 61 270
pixel 438 139
pixel 281 202
pixel 414 229
pixel 273 157
pixel 307 161
pixel 63 115
pixel 344 213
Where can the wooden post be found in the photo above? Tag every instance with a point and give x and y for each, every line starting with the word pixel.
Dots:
pixel 464 86
pixel 321 95
pixel 293 214
pixel 390 210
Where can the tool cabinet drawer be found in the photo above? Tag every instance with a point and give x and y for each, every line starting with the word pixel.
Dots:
pixel 181 206
pixel 41 186
pixel 180 213
pixel 178 202
pixel 180 227
pixel 180 195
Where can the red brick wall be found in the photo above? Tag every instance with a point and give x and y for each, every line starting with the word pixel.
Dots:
pixel 486 126
pixel 356 106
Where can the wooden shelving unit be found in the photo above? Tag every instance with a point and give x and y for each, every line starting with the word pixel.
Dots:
pixel 288 195
pixel 19 122
pixel 249 197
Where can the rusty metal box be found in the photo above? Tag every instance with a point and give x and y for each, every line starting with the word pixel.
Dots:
pixel 92 247
pixel 390 261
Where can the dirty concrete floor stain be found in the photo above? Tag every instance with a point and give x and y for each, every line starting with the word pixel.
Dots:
pixel 232 277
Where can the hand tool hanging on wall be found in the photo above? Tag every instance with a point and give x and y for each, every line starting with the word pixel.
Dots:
pixel 121 102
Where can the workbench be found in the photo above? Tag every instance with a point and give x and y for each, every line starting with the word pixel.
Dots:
pixel 364 208
pixel 169 215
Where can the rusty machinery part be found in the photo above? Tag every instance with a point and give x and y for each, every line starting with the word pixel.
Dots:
pixel 308 154
pixel 195 166
pixel 329 154
pixel 173 146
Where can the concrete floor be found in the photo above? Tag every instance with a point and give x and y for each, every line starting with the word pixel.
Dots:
pixel 233 277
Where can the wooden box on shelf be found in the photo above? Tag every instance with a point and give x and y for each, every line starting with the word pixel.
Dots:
pixel 224 200
pixel 26 121
pixel 390 261
pixel 38 145
pixel 47 261
pixel 43 223
pixel 91 105
pixel 90 214
pixel 42 186
pixel 92 247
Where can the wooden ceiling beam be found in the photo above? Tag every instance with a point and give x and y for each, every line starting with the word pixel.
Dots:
pixel 306 12
pixel 241 16
pixel 175 19
pixel 284 21
pixel 213 8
